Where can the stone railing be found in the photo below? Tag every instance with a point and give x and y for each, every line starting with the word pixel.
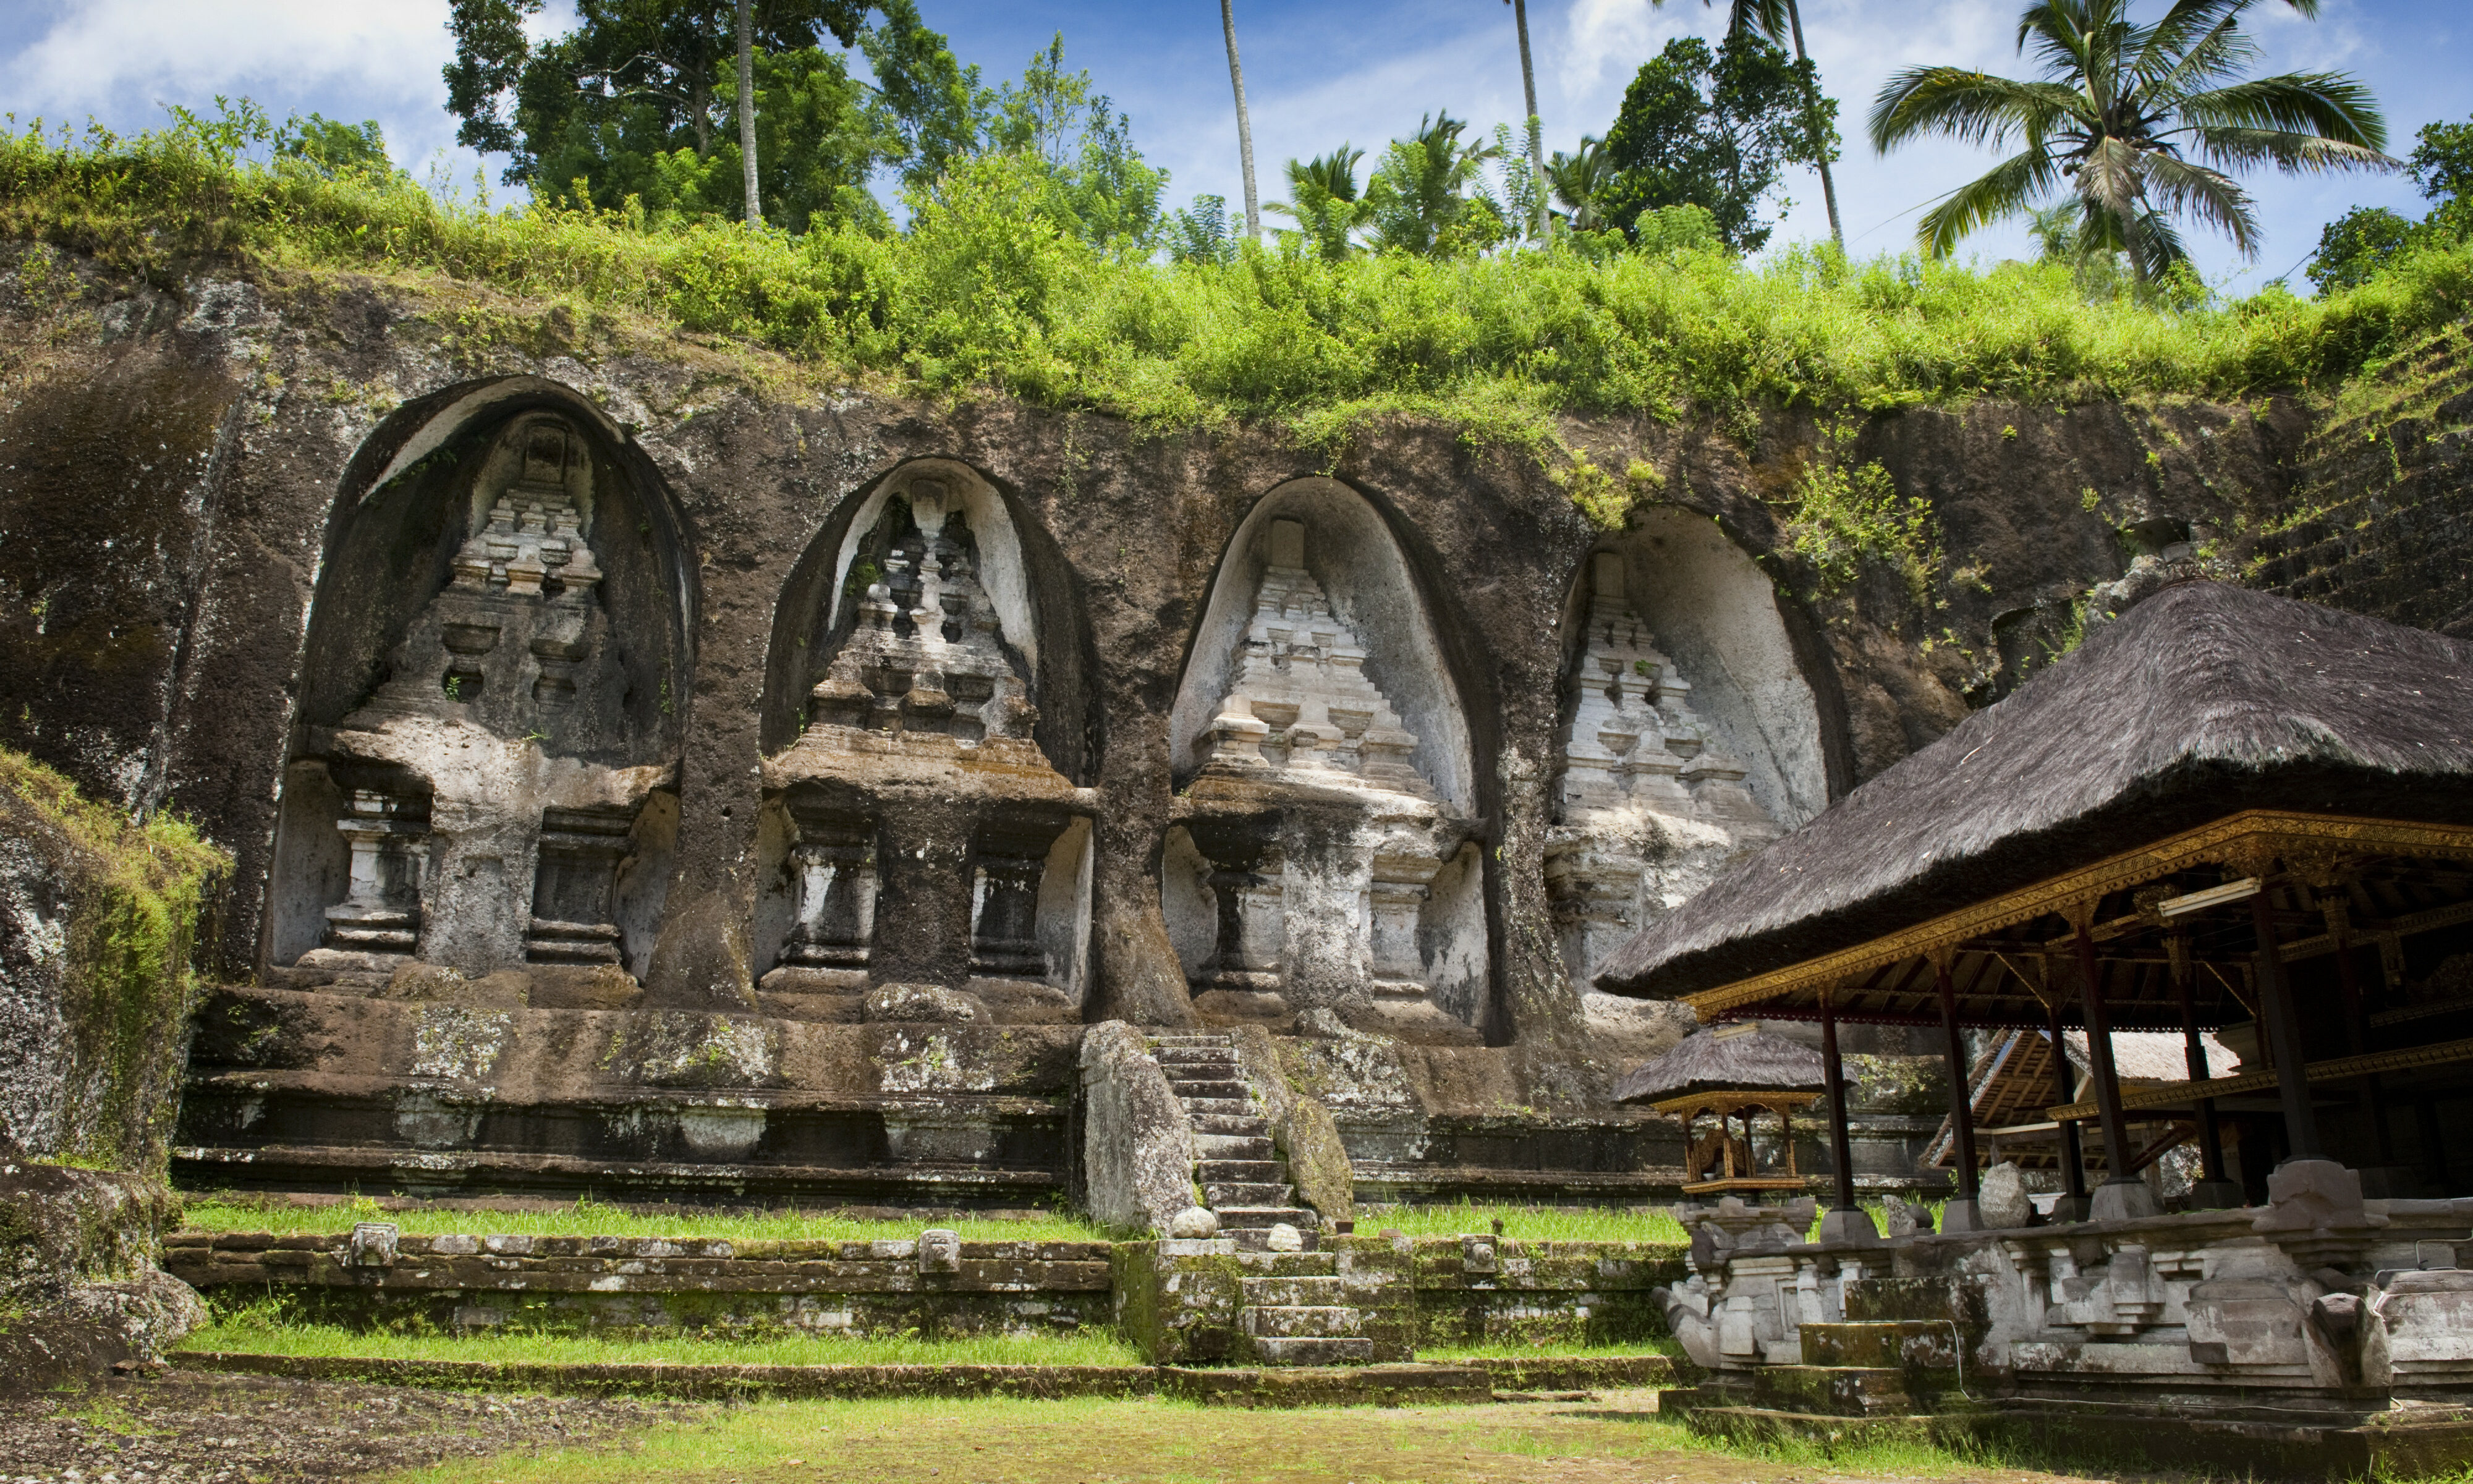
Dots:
pixel 2318 1291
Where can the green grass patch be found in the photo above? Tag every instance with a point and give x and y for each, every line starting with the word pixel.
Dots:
pixel 1509 1349
pixel 1526 1223
pixel 227 1213
pixel 985 291
pixel 251 1332
pixel 1156 1441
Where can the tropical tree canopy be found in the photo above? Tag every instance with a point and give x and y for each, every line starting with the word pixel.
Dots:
pixel 2355 246
pixel 1715 129
pixel 1428 196
pixel 2141 123
pixel 1324 199
pixel 630 103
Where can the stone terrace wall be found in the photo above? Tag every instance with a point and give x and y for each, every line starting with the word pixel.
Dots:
pixel 618 1286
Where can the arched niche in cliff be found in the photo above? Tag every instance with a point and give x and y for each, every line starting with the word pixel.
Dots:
pixel 494 686
pixel 927 721
pixel 1325 861
pixel 1688 735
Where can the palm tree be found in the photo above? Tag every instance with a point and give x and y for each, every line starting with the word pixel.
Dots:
pixel 1420 193
pixel 1245 125
pixel 747 110
pixel 1528 85
pixel 1325 201
pixel 2141 121
pixel 1573 181
pixel 1774 20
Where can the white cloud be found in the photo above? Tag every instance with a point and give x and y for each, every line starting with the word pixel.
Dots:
pixel 120 60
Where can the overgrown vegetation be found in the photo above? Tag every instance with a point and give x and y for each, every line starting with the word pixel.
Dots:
pixel 228 1212
pixel 136 891
pixel 988 291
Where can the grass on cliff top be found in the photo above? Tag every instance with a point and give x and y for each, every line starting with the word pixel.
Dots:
pixel 263 1331
pixel 589 1218
pixel 986 293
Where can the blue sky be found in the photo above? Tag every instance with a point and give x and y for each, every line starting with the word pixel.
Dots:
pixel 1317 74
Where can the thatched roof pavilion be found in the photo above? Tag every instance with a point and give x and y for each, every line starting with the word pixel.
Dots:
pixel 2218 787
pixel 1751 1061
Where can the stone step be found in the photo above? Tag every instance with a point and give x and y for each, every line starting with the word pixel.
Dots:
pixel 1220 1194
pixel 1259 1171
pixel 1199 1107
pixel 1265 1217
pixel 1190 1039
pixel 1221 1058
pixel 1232 1146
pixel 1205 1085
pixel 1318 1350
pixel 1300 1322
pixel 1294 1291
pixel 1891 1343
pixel 1357 1384
pixel 1244 1125
pixel 1833 1391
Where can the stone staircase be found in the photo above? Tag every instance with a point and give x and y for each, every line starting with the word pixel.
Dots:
pixel 1295 1311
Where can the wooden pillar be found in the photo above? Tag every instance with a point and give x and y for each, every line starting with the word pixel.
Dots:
pixel 2213 1190
pixel 2339 927
pixel 1960 1213
pixel 2123 1195
pixel 2284 1032
pixel 1844 1222
pixel 2073 1204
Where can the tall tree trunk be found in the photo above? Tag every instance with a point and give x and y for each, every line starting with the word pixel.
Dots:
pixel 747 110
pixel 1535 132
pixel 1811 122
pixel 1244 125
pixel 700 95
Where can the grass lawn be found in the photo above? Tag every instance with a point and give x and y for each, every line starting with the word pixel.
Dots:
pixel 1158 1441
pixel 1525 1223
pixel 591 1218
pixel 259 1333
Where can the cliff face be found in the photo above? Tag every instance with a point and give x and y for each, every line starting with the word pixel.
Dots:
pixel 233 512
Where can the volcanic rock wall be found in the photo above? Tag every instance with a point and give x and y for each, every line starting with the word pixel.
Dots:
pixel 533 670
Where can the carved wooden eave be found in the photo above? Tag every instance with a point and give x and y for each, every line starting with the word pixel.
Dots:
pixel 2304 844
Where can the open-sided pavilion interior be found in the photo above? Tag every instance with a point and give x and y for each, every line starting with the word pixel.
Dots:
pixel 2226 813
pixel 2229 812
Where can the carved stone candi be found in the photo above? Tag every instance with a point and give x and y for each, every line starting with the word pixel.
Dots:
pixel 1310 829
pixel 487 819
pixel 1649 802
pixel 920 714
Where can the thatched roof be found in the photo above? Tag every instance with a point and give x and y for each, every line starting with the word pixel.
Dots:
pixel 2200 702
pixel 1739 1059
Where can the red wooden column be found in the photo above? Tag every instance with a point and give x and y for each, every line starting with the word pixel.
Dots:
pixel 1961 1213
pixel 2284 1035
pixel 2213 1191
pixel 1844 1222
pixel 2074 1202
pixel 2122 1196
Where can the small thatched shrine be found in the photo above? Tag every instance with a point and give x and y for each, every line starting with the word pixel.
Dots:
pixel 1731 1073
pixel 2225 812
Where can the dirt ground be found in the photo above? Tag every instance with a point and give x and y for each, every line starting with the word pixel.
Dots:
pixel 191 1427
pixel 198 1427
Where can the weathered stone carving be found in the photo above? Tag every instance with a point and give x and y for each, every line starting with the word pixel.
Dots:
pixel 926 659
pixel 920 716
pixel 1312 833
pixel 481 836
pixel 1648 803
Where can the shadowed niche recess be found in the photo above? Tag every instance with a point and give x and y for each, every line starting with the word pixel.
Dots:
pixel 483 777
pixel 925 848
